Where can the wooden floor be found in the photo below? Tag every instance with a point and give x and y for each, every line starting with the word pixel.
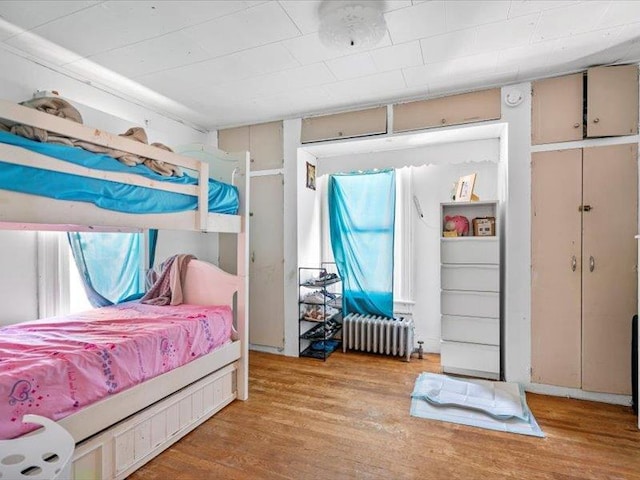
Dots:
pixel 348 418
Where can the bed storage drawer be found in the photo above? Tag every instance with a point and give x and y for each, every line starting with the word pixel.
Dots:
pixel 481 278
pixel 126 446
pixel 470 250
pixel 471 329
pixel 459 356
pixel 470 304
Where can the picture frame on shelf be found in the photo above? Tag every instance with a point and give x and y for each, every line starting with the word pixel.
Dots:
pixel 464 191
pixel 311 176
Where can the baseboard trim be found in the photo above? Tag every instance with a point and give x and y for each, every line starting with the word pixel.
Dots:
pixel 266 349
pixel 576 393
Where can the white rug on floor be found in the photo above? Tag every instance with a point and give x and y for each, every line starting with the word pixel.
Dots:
pixel 481 403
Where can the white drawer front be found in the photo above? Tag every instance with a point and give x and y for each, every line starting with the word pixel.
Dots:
pixel 470 250
pixel 482 278
pixel 470 304
pixel 470 356
pixel 471 329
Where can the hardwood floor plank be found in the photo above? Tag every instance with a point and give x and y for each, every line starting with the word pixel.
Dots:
pixel 348 418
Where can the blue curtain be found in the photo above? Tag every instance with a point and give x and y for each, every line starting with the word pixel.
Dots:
pixel 109 265
pixel 153 241
pixel 361 219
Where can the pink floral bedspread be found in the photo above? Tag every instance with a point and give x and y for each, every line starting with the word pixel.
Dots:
pixel 54 367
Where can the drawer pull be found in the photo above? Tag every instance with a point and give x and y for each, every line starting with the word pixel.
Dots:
pixel 574 263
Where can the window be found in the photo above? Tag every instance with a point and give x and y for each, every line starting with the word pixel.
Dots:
pixel 60 286
pixel 60 290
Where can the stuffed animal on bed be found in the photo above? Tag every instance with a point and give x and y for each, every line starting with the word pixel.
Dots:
pixel 457 223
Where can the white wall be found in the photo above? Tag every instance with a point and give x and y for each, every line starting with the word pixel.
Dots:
pixel 308 215
pixel 203 245
pixel 19 79
pixel 291 140
pixel 442 153
pixel 517 238
pixel 18 277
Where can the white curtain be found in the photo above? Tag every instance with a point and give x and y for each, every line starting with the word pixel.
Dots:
pixel 403 246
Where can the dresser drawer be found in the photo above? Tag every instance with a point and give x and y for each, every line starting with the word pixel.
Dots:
pixel 471 329
pixel 470 304
pixel 482 250
pixel 470 356
pixel 482 278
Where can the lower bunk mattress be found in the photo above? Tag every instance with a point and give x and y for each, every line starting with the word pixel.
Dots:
pixel 55 367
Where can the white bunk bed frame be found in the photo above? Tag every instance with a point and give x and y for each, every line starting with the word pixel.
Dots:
pixel 117 435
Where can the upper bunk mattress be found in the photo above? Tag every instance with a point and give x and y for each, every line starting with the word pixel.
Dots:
pixel 223 198
pixel 54 367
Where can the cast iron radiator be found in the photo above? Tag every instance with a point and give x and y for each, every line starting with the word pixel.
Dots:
pixel 375 334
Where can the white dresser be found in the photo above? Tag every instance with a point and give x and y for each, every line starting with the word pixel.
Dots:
pixel 470 295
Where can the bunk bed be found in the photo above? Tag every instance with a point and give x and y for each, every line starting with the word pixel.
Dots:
pixel 117 434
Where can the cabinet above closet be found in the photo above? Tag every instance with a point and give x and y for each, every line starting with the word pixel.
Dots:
pixel 263 141
pixel 601 102
pixel 452 110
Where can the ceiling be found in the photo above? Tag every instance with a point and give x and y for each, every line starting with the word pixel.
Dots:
pixel 222 63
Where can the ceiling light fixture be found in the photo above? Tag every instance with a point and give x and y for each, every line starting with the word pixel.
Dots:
pixel 351 24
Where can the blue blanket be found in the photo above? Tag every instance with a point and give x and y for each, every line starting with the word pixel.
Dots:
pixel 106 194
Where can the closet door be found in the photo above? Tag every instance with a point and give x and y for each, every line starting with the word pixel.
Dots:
pixel 556 191
pixel 266 262
pixel 609 259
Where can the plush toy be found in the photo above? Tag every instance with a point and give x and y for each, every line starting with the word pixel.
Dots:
pixel 457 223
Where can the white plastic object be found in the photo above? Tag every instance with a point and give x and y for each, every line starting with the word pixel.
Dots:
pixel 43 454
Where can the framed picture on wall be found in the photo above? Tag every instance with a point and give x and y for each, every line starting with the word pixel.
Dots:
pixel 464 192
pixel 311 176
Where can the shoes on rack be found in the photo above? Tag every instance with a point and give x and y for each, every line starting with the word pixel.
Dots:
pixel 327 346
pixel 320 298
pixel 317 298
pixel 323 279
pixel 318 313
pixel 322 331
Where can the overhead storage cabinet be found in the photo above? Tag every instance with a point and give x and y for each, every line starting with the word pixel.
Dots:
pixel 556 109
pixel 263 141
pixel 452 110
pixel 372 121
pixel 610 105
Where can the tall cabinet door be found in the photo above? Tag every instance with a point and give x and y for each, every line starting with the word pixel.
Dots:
pixel 556 191
pixel 610 181
pixel 266 262
pixel 266 247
